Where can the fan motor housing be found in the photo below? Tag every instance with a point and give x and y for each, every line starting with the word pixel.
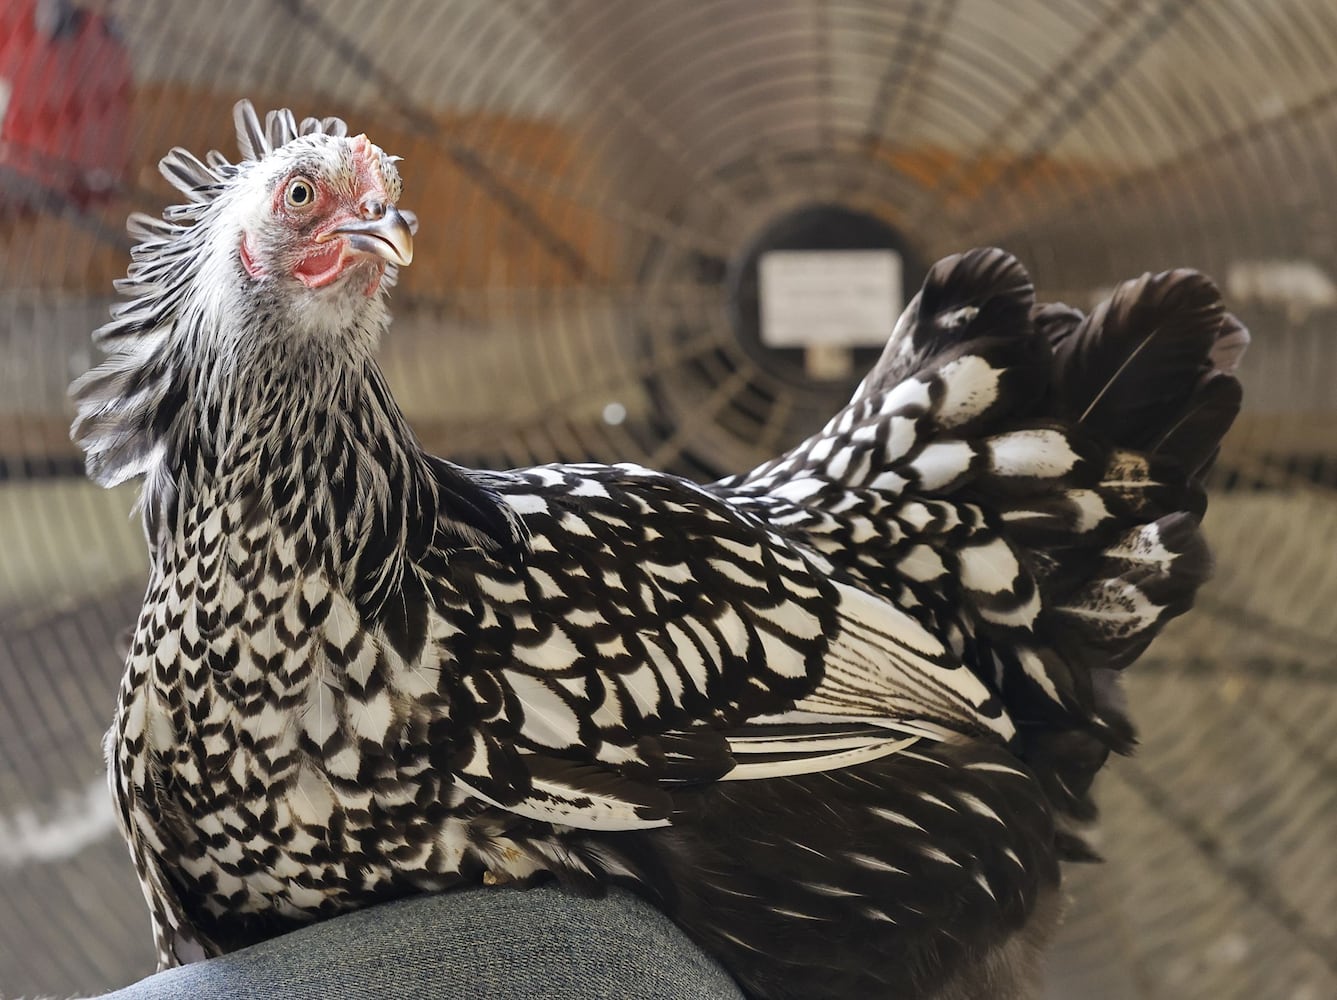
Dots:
pixel 813 228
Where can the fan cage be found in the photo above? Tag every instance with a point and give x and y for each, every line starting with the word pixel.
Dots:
pixel 589 176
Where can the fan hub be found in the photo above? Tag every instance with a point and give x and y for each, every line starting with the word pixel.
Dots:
pixel 814 228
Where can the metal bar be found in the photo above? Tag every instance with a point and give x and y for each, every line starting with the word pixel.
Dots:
pixel 1217 147
pixel 1249 880
pixel 910 62
pixel 1212 669
pixel 1078 75
pixel 640 118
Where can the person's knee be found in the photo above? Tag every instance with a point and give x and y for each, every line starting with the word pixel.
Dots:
pixel 499 944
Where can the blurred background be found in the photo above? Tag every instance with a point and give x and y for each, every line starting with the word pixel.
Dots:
pixel 597 184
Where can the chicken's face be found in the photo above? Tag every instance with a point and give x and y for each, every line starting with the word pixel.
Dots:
pixel 319 215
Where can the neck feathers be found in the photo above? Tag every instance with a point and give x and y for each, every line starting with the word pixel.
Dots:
pixel 299 435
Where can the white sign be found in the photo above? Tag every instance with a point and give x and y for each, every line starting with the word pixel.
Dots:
pixel 5 91
pixel 833 298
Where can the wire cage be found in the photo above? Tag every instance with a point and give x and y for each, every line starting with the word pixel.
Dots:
pixel 595 183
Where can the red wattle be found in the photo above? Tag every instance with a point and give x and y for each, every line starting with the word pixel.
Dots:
pixel 319 268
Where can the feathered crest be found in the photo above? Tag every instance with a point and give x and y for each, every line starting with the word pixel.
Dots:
pixel 202 181
pixel 280 128
pixel 120 401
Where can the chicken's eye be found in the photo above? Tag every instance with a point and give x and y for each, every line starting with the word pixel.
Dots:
pixel 300 193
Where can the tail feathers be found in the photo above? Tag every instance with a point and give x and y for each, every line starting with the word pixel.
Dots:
pixel 1027 481
pixel 1151 369
pixel 1142 580
pixel 961 358
pixel 1193 439
pixel 1146 577
pixel 1122 370
pixel 974 298
pixel 1148 377
pixel 1066 692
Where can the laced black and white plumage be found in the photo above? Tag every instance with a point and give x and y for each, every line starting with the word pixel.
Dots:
pixel 837 715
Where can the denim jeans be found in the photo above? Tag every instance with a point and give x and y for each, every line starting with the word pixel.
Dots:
pixel 498 944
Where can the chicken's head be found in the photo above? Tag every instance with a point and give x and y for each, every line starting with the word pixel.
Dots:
pixel 304 227
pixel 272 270
pixel 323 211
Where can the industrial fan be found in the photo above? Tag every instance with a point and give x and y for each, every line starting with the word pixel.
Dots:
pixel 624 207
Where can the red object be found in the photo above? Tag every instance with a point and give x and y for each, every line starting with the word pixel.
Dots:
pixel 65 92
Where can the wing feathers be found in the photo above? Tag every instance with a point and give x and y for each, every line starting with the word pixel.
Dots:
pixel 783 758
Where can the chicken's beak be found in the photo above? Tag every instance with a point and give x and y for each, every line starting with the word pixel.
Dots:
pixel 388 234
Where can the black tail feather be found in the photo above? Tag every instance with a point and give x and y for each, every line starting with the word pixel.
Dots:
pixel 1121 372
pixel 982 295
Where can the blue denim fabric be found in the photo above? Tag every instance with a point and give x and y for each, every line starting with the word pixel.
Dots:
pixel 496 944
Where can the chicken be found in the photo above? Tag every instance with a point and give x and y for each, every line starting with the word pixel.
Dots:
pixel 837 716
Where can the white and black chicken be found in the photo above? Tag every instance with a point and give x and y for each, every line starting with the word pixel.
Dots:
pixel 837 716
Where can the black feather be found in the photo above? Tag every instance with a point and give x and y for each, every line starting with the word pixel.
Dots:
pixel 781 880
pixel 1131 366
pixel 403 616
pixel 696 757
pixel 1056 322
pixel 1193 438
pixel 981 294
pixel 466 500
